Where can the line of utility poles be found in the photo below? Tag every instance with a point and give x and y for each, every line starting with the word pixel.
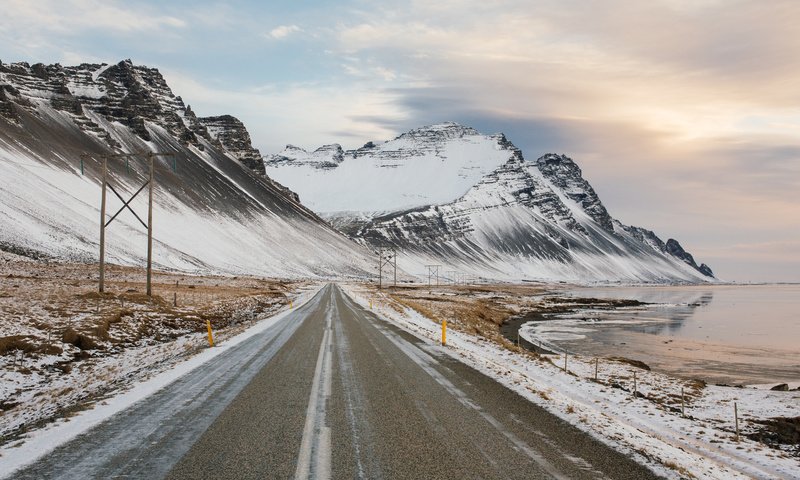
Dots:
pixel 433 270
pixel 150 183
pixel 457 278
pixel 386 257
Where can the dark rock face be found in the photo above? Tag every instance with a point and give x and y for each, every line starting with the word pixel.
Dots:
pixel 706 270
pixel 133 95
pixel 233 136
pixel 567 176
pixel 676 250
pixel 326 157
pixel 7 111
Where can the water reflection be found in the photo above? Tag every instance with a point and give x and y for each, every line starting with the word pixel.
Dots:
pixel 742 334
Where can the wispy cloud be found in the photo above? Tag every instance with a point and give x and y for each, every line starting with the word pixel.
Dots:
pixel 274 115
pixel 283 31
pixel 77 16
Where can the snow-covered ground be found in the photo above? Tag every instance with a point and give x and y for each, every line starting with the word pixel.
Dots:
pixel 649 426
pixel 64 346
pixel 38 442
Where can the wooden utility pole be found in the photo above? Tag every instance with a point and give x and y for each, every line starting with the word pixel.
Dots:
pixel 126 204
pixel 380 268
pixel 384 260
pixel 433 269
pixel 102 225
pixel 150 182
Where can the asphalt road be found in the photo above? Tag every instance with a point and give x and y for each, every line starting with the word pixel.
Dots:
pixel 331 391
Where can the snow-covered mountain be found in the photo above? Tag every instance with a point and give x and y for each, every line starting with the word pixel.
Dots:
pixel 478 207
pixel 426 166
pixel 214 209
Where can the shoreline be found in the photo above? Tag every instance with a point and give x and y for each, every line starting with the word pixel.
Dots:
pixel 651 332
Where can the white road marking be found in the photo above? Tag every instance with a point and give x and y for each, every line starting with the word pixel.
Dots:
pixel 314 459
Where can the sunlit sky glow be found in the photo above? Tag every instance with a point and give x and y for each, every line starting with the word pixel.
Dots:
pixel 684 115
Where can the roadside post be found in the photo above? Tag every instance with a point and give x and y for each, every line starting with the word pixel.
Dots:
pixel 444 332
pixel 736 419
pixel 683 404
pixel 210 336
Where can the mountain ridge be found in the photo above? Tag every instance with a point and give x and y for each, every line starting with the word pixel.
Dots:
pixel 543 213
pixel 50 115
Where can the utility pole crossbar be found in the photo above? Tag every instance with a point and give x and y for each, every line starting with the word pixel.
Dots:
pixel 386 258
pixel 126 204
pixel 433 270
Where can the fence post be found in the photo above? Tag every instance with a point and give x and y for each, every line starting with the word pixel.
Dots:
pixel 683 404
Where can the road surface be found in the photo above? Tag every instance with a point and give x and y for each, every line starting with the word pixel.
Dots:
pixel 332 391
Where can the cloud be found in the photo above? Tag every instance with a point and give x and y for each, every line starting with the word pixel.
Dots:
pixel 283 31
pixel 684 115
pixel 77 16
pixel 306 115
pixel 58 30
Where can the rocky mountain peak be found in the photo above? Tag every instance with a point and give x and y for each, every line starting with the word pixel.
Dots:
pixel 565 174
pixel 132 95
pixel 675 249
pixel 231 133
pixel 440 131
pixel 334 151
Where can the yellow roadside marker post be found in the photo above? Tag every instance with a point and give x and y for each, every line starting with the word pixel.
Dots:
pixel 291 304
pixel 210 337
pixel 444 332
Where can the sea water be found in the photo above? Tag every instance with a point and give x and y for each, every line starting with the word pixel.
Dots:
pixel 733 334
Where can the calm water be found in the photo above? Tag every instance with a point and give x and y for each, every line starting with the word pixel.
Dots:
pixel 724 334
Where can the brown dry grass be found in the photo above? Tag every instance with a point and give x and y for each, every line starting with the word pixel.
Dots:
pixel 475 309
pixel 56 305
pixel 55 324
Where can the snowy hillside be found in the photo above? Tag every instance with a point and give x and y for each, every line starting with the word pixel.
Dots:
pixel 487 211
pixel 426 166
pixel 213 212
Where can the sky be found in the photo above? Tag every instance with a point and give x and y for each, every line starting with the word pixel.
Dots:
pixel 684 115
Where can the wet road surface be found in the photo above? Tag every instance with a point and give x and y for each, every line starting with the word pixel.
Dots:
pixel 332 391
